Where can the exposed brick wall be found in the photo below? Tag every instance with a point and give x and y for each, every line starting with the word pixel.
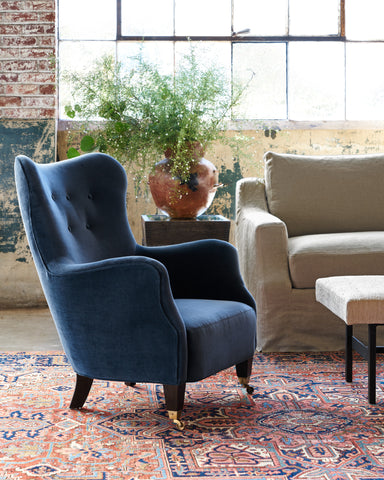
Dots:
pixel 27 52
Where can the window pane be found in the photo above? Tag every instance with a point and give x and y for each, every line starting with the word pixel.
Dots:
pixel 209 53
pixel 262 66
pixel 159 53
pixel 316 81
pixel 203 17
pixel 87 19
pixel 261 17
pixel 146 17
pixel 365 82
pixel 72 55
pixel 314 17
pixel 364 19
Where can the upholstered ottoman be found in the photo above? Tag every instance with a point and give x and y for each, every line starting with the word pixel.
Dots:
pixel 356 300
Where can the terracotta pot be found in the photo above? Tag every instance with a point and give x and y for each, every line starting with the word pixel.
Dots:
pixel 184 200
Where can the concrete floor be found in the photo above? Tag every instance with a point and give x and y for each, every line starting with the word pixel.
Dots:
pixel 27 330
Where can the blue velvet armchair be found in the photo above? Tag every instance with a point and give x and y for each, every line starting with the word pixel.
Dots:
pixel 126 312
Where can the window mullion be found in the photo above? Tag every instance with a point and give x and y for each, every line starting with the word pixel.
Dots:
pixel 287 80
pixel 118 19
pixel 342 18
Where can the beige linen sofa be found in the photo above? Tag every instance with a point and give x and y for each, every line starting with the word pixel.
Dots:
pixel 311 217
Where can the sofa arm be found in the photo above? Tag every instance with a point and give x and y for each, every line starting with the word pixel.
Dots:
pixel 250 192
pixel 262 240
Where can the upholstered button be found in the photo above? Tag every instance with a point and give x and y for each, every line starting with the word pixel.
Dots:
pixel 90 196
pixel 68 197
pixel 69 228
pixel 88 226
pixel 53 196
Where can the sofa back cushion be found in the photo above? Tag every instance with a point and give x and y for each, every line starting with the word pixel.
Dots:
pixel 325 194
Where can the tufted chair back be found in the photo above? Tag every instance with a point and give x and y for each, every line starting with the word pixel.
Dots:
pixel 76 209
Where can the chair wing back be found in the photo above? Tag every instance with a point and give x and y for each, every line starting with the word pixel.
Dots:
pixel 74 211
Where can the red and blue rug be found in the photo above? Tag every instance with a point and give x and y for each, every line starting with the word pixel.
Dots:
pixel 302 422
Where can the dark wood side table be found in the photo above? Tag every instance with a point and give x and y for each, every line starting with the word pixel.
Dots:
pixel 161 230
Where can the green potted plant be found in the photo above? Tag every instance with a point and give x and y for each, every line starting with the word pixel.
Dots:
pixel 157 125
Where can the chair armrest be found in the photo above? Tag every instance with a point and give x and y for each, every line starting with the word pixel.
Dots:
pixel 117 320
pixel 202 269
pixel 261 238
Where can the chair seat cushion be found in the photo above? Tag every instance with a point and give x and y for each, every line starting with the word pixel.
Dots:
pixel 334 254
pixel 220 334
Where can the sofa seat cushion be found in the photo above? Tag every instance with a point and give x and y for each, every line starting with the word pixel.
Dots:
pixel 220 333
pixel 334 254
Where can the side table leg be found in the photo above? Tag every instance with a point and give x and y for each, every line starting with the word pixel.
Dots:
pixel 348 353
pixel 372 364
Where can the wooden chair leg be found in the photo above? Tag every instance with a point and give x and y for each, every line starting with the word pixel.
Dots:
pixel 83 386
pixel 244 370
pixel 174 401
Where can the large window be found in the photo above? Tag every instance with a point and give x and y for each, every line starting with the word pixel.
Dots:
pixel 303 60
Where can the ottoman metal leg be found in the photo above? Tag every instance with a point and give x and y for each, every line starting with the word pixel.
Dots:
pixel 372 363
pixel 368 352
pixel 348 353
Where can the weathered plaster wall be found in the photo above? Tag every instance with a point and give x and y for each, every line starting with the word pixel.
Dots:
pixel 315 141
pixel 18 282
pixel 19 285
pixel 311 141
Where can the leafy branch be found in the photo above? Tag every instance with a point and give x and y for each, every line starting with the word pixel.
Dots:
pixel 142 115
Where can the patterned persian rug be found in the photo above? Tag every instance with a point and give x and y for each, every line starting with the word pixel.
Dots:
pixel 302 422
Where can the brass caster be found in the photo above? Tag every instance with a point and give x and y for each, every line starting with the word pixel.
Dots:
pixel 175 417
pixel 244 383
pixel 179 424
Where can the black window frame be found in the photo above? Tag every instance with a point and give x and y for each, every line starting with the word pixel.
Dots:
pixel 241 38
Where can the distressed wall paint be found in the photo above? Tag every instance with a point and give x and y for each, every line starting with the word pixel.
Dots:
pixel 19 285
pixel 313 141
pixel 27 91
pixel 310 141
